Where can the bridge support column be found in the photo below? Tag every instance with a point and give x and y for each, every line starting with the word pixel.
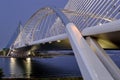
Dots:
pixel 90 66
pixel 9 52
pixel 105 59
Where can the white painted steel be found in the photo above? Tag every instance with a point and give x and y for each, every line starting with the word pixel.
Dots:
pixel 106 60
pixel 50 39
pixel 83 13
pixel 99 29
pixel 39 29
pixel 104 28
pixel 9 52
pixel 89 64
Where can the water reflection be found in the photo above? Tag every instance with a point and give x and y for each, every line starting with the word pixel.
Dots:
pixel 40 67
pixel 59 66
pixel 28 67
pixel 20 67
pixel 15 68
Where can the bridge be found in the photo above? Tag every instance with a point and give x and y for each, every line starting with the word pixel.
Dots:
pixel 89 25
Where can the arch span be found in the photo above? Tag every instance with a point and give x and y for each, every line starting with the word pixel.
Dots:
pixel 43 22
pixel 90 65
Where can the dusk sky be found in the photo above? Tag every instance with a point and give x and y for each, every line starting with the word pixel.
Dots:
pixel 13 11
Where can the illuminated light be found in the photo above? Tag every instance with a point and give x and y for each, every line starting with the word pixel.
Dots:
pixel 100 24
pixel 106 44
pixel 11 52
pixel 107 19
pixel 107 12
pixel 34 47
pixel 58 40
pixel 29 53
pixel 28 59
pixel 12 60
pixel 28 67
pixel 13 49
pixel 50 42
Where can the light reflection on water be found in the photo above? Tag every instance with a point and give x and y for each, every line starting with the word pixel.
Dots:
pixel 28 67
pixel 42 67
pixel 16 70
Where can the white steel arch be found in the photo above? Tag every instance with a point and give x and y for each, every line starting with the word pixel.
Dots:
pixel 62 24
pixel 83 53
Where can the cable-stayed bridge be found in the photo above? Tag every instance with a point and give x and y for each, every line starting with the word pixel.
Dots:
pixel 87 24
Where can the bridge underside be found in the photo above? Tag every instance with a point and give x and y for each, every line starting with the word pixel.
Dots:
pixel 109 40
pixel 106 40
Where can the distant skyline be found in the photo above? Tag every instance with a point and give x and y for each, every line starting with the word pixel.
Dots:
pixel 14 11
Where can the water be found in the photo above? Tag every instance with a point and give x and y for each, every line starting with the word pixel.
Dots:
pixel 59 66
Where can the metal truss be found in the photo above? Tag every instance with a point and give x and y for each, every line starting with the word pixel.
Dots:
pixel 79 18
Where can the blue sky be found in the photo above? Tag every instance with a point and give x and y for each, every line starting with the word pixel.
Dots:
pixel 13 11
